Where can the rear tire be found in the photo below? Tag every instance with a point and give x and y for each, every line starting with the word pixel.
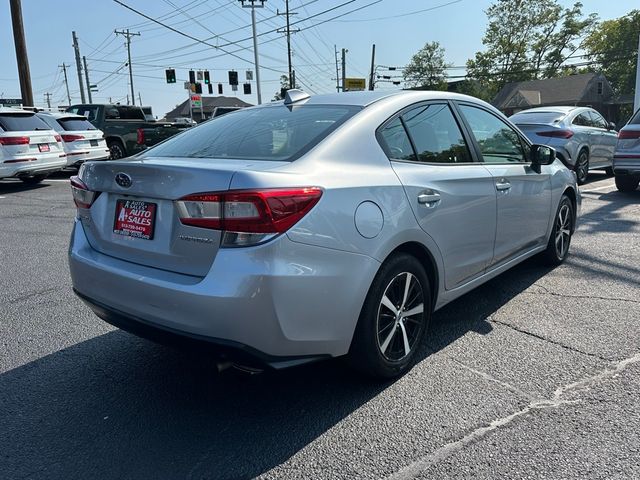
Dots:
pixel 627 183
pixel 560 240
pixel 34 180
pixel 608 171
pixel 582 167
pixel 386 340
pixel 116 150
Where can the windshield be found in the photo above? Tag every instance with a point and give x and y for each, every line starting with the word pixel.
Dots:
pixel 268 133
pixel 536 117
pixel 22 122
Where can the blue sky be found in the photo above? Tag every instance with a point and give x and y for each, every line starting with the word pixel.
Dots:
pixel 398 34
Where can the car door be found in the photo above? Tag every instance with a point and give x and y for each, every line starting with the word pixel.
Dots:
pixel 523 195
pixel 452 197
pixel 604 139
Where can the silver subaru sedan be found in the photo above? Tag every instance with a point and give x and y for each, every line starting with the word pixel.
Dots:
pixel 318 226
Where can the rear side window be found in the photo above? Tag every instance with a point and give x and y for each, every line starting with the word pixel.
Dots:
pixel 499 143
pixel 635 120
pixel 76 124
pixel 536 117
pixel 86 111
pixel 395 141
pixel 436 135
pixel 269 133
pixel 21 122
pixel 583 120
pixel 52 122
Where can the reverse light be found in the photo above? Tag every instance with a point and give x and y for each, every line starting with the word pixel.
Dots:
pixel 628 134
pixel 82 196
pixel 68 137
pixel 559 133
pixel 14 140
pixel 248 217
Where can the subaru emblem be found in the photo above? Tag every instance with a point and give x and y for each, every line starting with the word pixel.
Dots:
pixel 123 180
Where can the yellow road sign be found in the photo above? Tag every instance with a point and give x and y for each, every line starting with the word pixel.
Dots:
pixel 354 84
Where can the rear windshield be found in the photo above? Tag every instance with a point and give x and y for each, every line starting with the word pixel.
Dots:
pixel 76 124
pixel 269 133
pixel 22 122
pixel 536 117
pixel 635 120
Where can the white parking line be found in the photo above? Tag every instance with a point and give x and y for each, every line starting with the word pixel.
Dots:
pixel 2 197
pixel 596 189
pixel 57 180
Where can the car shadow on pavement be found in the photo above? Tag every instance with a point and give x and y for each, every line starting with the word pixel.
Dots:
pixel 19 186
pixel 116 406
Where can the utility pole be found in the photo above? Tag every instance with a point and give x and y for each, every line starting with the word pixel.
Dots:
pixel 66 80
pixel 78 65
pixel 252 6
pixel 48 98
pixel 373 61
pixel 335 49
pixel 344 68
pixel 288 31
pixel 127 34
pixel 26 91
pixel 86 76
pixel 636 102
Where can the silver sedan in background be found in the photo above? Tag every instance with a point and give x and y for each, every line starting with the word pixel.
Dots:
pixel 317 227
pixel 583 139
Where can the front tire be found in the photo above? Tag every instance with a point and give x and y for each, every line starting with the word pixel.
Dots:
pixel 627 183
pixel 393 320
pixel 560 240
pixel 582 167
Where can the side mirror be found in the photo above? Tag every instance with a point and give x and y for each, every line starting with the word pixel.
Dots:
pixel 542 155
pixel 611 126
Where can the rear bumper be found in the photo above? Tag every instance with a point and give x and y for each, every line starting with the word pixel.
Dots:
pixel 626 164
pixel 281 301
pixel 41 165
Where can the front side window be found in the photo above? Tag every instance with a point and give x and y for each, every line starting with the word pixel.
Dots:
pixel 499 143
pixel 275 132
pixel 436 135
pixel 597 120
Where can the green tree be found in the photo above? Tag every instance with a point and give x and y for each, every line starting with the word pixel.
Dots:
pixel 527 39
pixel 284 86
pixel 427 68
pixel 613 46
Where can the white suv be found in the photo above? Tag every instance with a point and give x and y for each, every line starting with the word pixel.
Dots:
pixel 29 148
pixel 82 141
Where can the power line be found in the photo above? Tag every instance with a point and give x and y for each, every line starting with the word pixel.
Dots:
pixel 402 14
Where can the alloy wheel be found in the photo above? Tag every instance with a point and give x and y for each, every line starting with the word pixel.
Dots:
pixel 400 317
pixel 563 230
pixel 582 168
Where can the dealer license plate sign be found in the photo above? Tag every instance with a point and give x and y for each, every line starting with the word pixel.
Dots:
pixel 135 218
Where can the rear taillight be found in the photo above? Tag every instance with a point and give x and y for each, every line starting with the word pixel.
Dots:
pixel 14 140
pixel 140 140
pixel 57 138
pixel 68 137
pixel 628 134
pixel 82 196
pixel 248 217
pixel 560 133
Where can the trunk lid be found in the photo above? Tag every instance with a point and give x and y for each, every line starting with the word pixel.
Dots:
pixel 155 184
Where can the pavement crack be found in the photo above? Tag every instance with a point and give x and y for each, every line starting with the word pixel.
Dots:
pixel 557 400
pixel 586 297
pixel 33 294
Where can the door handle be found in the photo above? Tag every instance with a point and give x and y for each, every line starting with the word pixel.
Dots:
pixel 429 199
pixel 503 185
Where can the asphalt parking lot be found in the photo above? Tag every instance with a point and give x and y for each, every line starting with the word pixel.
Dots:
pixel 534 375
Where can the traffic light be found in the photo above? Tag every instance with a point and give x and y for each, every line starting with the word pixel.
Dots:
pixel 192 76
pixel 247 88
pixel 198 87
pixel 171 75
pixel 220 89
pixel 210 89
pixel 207 78
pixel 233 78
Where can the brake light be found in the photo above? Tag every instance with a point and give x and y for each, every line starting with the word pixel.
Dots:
pixel 71 138
pixel 248 217
pixel 82 196
pixel 628 134
pixel 14 140
pixel 140 140
pixel 559 133
pixel 57 138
